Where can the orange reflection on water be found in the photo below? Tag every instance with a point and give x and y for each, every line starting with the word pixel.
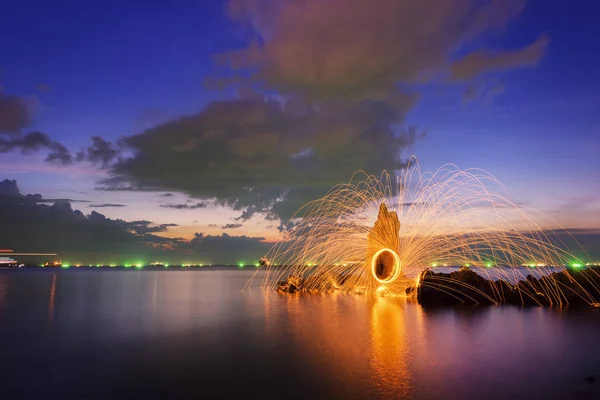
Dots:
pixel 358 340
pixel 389 347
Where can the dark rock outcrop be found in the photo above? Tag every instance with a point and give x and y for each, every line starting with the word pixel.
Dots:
pixel 571 286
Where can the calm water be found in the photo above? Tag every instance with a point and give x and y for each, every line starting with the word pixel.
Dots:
pixel 192 334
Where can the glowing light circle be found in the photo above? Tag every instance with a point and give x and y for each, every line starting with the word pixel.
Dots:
pixel 395 272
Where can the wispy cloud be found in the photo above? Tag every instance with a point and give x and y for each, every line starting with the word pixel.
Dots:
pixel 186 206
pixel 231 226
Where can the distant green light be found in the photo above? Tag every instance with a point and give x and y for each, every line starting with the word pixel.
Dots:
pixel 65 265
pixel 166 265
pixel 97 265
pixel 241 265
pixel 434 265
pixel 577 265
pixel 489 265
pixel 139 265
pixel 257 265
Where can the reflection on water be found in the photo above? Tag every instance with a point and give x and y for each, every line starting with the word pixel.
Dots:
pixel 389 346
pixel 3 290
pixel 192 333
pixel 51 301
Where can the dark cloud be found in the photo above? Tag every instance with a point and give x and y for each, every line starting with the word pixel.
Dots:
pixel 38 199
pixel 34 142
pixel 232 226
pixel 101 152
pixel 93 238
pixel 336 62
pixel 263 155
pixel 14 114
pixel 59 154
pixel 340 69
pixel 363 49
pixel 186 206
pixel 247 213
pixel 10 190
pixel 30 226
pixel 145 227
pixel 106 205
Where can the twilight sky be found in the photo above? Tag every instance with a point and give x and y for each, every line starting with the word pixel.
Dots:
pixel 192 119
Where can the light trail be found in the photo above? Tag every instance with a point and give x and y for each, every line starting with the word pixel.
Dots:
pixel 30 254
pixel 451 217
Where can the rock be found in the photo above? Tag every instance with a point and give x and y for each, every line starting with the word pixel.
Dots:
pixel 569 287
pixel 456 287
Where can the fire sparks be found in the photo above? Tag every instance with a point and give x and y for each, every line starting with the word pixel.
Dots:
pixel 378 235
